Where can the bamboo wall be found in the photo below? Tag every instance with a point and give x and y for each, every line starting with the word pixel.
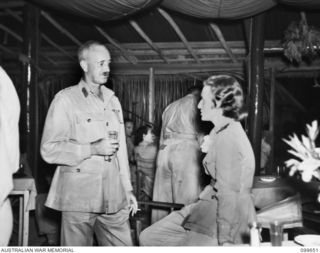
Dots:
pixel 133 95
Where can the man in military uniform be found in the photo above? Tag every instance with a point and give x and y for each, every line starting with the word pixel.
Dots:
pixel 91 185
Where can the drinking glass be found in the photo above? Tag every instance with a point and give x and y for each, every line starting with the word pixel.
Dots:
pixel 276 235
pixel 112 135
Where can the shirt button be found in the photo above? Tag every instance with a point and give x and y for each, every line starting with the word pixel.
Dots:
pixel 89 120
pixel 107 124
pixel 78 170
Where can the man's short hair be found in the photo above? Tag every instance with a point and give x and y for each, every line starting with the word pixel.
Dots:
pixel 84 48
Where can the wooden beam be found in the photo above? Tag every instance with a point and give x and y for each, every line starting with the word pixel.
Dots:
pixel 19 38
pixel 288 95
pixel 30 95
pixel 12 33
pixel 147 39
pixel 272 116
pixel 255 83
pixel 174 68
pixel 60 28
pixel 46 38
pixel 50 60
pixel 14 14
pixel 220 37
pixel 151 96
pixel 9 51
pixel 179 33
pixel 247 23
pixel 20 56
pixel 125 53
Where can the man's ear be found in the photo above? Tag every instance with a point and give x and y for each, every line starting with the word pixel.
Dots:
pixel 84 65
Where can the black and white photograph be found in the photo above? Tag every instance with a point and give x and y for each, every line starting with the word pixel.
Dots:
pixel 159 123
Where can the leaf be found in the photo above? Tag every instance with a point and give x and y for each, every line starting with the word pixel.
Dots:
pixel 301 41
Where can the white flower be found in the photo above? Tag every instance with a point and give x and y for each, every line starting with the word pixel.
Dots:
pixel 306 176
pixel 308 162
pixel 313 130
pixel 206 143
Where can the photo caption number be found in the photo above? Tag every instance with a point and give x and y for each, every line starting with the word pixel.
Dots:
pixel 309 249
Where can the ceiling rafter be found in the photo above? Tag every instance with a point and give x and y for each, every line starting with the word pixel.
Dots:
pixel 52 43
pixel 179 33
pixel 20 39
pixel 131 58
pixel 223 42
pixel 46 38
pixel 147 39
pixel 50 60
pixel 23 58
pixel 14 14
pixel 12 33
pixel 60 28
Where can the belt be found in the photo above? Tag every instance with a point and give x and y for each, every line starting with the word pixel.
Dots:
pixel 174 135
pixel 228 190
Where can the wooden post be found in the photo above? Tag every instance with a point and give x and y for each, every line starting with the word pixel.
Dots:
pixel 29 100
pixel 256 80
pixel 151 101
pixel 271 168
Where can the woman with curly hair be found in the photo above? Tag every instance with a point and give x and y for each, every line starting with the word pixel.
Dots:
pixel 225 208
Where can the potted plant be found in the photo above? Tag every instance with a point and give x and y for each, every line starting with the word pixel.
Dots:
pixel 301 41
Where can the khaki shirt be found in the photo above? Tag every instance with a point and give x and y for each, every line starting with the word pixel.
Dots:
pixel 231 164
pixel 85 182
pixel 179 119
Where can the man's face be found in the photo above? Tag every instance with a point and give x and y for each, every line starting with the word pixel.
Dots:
pixel 129 128
pixel 96 65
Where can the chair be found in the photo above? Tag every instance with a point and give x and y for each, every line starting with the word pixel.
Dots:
pixel 143 217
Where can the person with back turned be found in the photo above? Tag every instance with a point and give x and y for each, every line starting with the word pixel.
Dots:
pixel 179 172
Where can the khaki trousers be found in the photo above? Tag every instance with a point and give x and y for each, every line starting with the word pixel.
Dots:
pixel 178 176
pixel 77 229
pixel 170 232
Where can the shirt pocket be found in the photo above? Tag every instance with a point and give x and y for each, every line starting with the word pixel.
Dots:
pixel 90 127
pixel 82 184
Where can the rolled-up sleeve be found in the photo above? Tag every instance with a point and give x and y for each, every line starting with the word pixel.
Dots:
pixel 57 147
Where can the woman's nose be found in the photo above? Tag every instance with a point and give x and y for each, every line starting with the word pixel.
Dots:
pixel 200 104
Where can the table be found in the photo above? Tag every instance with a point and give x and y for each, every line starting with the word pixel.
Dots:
pixel 25 189
pixel 286 243
pixel 265 193
pixel 277 200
